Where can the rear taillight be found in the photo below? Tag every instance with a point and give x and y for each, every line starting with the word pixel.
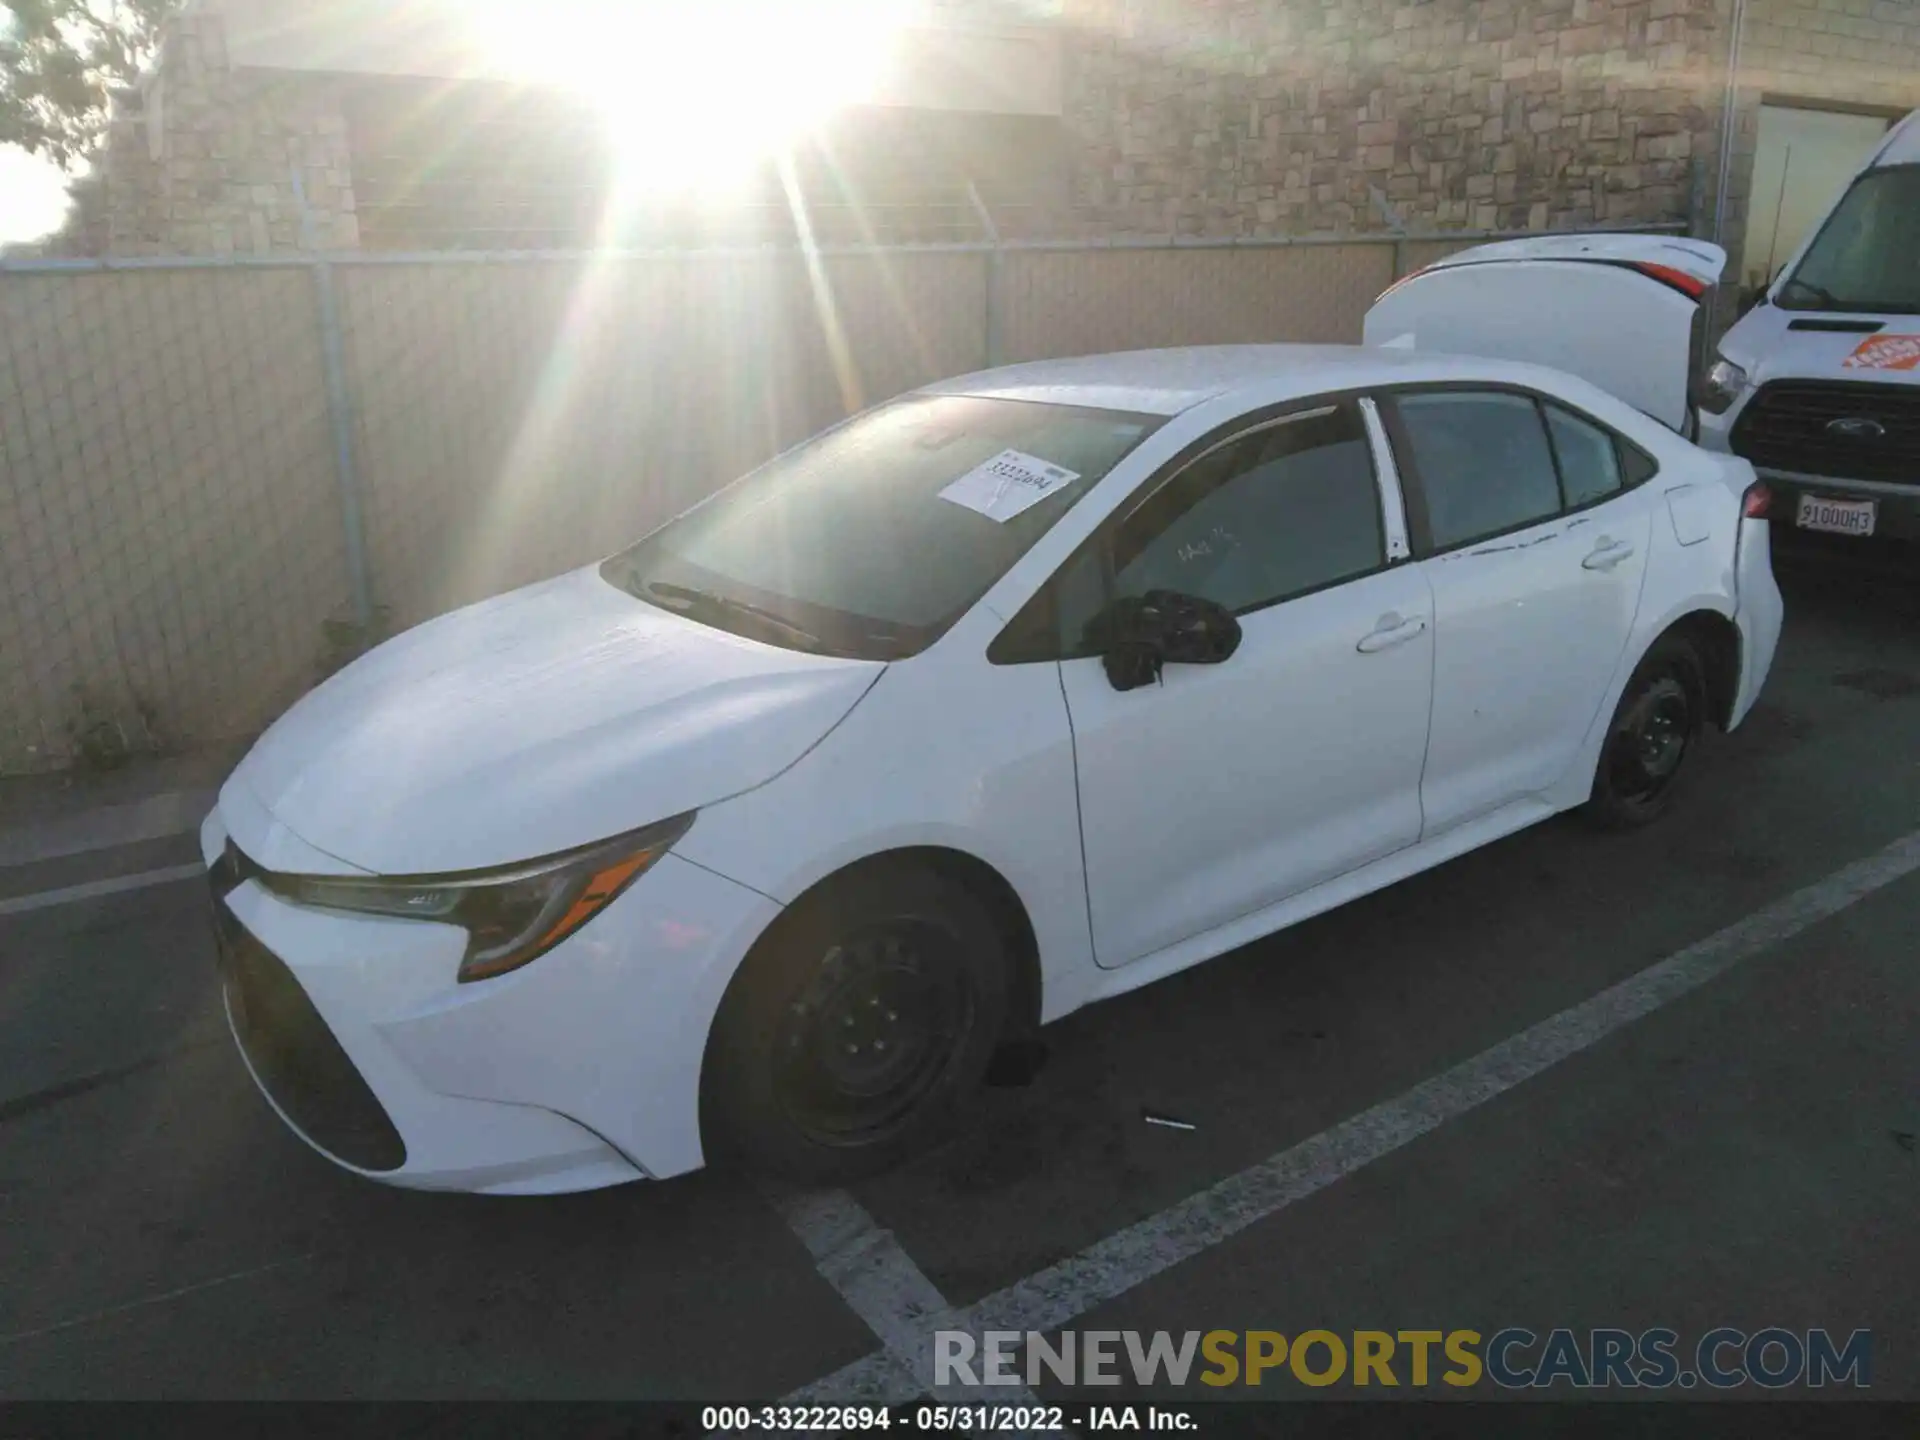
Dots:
pixel 1757 504
pixel 1691 286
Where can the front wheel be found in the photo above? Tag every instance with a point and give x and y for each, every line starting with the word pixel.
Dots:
pixel 1657 724
pixel 856 1029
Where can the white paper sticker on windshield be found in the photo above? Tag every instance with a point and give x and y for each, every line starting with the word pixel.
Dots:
pixel 1010 482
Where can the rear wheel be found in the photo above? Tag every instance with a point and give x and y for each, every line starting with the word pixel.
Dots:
pixel 857 1029
pixel 1656 725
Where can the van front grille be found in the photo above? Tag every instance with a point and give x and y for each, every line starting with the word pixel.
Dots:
pixel 1847 430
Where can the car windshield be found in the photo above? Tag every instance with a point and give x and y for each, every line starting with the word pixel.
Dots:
pixel 871 539
pixel 1865 257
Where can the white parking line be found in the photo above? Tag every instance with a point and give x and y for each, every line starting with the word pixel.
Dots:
pixel 882 1285
pixel 1064 1292
pixel 94 889
pixel 158 817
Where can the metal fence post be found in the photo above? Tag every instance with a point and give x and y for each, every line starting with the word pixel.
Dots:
pixel 1396 223
pixel 990 319
pixel 339 413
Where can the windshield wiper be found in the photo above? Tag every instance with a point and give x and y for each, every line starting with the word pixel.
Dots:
pixel 686 597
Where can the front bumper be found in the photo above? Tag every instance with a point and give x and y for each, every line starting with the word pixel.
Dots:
pixel 578 1071
pixel 1896 518
pixel 1897 502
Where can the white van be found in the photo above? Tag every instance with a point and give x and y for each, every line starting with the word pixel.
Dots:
pixel 1819 384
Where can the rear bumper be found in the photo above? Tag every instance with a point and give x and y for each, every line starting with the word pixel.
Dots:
pixel 1759 614
pixel 579 1071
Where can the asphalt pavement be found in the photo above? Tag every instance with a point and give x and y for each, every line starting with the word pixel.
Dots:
pixel 1740 1154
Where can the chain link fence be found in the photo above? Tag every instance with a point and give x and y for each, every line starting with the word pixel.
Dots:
pixel 218 478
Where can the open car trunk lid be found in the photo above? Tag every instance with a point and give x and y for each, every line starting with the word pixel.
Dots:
pixel 1616 310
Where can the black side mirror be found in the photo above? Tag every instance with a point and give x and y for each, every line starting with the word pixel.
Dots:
pixel 1138 635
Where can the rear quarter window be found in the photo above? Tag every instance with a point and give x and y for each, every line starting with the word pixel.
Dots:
pixel 1636 465
pixel 1589 457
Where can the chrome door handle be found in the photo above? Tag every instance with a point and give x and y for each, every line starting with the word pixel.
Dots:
pixel 1391 631
pixel 1607 554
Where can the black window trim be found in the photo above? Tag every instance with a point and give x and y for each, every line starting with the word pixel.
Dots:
pixel 1413 487
pixel 1032 636
pixel 1177 467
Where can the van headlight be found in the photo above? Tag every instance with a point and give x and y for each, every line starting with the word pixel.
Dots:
pixel 513 914
pixel 1724 383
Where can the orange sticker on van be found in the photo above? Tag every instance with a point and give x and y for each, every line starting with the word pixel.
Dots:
pixel 1886 352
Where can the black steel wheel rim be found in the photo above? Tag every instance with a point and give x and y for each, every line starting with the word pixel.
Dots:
pixel 1651 739
pixel 874 1033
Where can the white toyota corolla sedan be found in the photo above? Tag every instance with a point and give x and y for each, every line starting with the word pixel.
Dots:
pixel 1007 696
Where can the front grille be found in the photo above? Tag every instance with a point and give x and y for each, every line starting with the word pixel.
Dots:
pixel 1787 427
pixel 294 1054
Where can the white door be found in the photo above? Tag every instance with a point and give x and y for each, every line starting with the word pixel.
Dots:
pixel 1536 535
pixel 1226 788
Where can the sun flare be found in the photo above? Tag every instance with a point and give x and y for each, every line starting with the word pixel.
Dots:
pixel 696 93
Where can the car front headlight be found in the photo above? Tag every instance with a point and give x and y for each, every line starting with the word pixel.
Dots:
pixel 1722 386
pixel 512 915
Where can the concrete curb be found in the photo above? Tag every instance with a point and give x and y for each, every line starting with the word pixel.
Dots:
pixel 106 827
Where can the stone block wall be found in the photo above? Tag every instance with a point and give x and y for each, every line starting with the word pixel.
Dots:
pixel 203 161
pixel 1228 117
pixel 1865 51
pixel 1203 118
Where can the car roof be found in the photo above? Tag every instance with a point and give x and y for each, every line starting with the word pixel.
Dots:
pixel 1166 382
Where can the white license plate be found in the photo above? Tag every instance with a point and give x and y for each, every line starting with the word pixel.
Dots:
pixel 1839 517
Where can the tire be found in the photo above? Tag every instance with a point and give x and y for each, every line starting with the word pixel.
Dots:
pixel 1657 724
pixel 799 1081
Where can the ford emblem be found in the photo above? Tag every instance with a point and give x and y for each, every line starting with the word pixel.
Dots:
pixel 1857 427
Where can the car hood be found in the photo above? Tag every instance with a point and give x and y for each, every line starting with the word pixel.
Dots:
pixel 539 720
pixel 1875 349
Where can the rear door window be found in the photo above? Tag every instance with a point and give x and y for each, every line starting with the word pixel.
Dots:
pixel 1483 463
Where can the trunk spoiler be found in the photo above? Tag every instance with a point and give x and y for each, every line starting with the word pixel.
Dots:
pixel 1690 266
